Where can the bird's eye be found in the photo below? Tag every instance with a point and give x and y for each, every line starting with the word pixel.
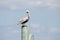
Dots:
pixel 27 12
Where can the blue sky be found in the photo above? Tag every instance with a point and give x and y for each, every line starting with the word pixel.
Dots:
pixel 44 22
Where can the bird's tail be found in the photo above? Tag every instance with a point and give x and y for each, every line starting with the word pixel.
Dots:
pixel 18 23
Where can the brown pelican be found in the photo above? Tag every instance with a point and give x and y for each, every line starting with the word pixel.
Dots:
pixel 26 19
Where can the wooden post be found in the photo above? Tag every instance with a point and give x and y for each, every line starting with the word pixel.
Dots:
pixel 24 32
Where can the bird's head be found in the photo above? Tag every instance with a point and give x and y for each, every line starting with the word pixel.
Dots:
pixel 27 11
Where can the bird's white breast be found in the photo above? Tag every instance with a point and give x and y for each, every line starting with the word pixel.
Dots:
pixel 25 18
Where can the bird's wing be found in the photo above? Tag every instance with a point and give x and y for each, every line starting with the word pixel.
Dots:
pixel 23 19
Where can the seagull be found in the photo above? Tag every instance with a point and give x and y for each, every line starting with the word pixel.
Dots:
pixel 24 20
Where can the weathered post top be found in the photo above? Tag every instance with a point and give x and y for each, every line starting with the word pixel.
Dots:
pixel 25 32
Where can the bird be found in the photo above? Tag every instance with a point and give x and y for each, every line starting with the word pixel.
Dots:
pixel 25 19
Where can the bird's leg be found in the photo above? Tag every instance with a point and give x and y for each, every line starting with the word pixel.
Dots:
pixel 22 24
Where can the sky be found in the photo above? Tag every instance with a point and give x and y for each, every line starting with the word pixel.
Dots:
pixel 44 20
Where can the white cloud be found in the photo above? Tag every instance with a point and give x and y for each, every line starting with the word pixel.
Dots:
pixel 12 30
pixel 57 30
pixel 45 3
pixel 35 25
pixel 53 3
pixel 35 3
pixel 37 28
pixel 10 4
pixel 18 4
